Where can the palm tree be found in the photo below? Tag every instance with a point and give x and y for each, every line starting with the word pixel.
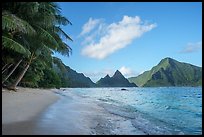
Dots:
pixel 12 26
pixel 45 21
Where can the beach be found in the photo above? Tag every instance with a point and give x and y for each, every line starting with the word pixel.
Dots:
pixel 42 112
pixel 49 112
pixel 88 111
pixel 21 107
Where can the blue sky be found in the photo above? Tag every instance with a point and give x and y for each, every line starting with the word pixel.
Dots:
pixel 131 36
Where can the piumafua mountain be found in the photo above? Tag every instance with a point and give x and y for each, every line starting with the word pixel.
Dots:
pixel 117 80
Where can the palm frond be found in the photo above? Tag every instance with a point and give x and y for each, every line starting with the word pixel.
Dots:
pixel 14 46
pixel 61 32
pixel 44 49
pixel 45 54
pixel 55 7
pixel 62 20
pixel 64 49
pixel 29 8
pixel 11 22
pixel 45 20
pixel 44 34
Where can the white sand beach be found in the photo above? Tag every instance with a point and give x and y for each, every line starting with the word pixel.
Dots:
pixel 25 103
pixel 23 106
pixel 42 112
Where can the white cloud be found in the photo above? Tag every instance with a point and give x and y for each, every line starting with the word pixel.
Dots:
pixel 117 36
pixel 91 38
pixel 127 72
pixel 96 75
pixel 192 47
pixel 89 26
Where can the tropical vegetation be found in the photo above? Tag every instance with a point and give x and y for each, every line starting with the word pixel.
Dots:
pixel 170 72
pixel 31 33
pixel 71 78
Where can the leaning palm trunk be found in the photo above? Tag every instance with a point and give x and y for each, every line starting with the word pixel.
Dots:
pixel 7 68
pixel 13 86
pixel 4 67
pixel 12 71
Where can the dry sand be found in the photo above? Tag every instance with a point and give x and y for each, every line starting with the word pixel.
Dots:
pixel 24 105
pixel 29 112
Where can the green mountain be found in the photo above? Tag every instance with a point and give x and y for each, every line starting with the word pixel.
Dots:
pixel 71 78
pixel 170 72
pixel 117 80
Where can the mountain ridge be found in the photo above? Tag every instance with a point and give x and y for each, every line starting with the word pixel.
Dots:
pixel 117 80
pixel 72 78
pixel 170 72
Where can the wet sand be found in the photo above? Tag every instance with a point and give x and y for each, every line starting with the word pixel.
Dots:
pixel 43 112
pixel 74 114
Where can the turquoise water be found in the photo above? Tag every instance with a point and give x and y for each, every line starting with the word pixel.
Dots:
pixel 165 110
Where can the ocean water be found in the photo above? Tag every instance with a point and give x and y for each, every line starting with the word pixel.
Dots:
pixel 163 110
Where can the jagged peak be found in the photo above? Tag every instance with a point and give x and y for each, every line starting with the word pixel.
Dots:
pixel 167 62
pixel 117 73
pixel 117 70
pixel 107 76
pixel 163 64
pixel 168 59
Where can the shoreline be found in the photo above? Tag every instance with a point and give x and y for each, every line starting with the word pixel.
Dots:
pixel 24 105
pixel 68 114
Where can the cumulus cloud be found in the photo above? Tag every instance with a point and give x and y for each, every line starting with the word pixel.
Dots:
pixel 127 72
pixel 92 37
pixel 192 47
pixel 89 26
pixel 117 36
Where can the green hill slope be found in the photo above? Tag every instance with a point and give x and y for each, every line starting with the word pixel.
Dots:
pixel 71 78
pixel 170 72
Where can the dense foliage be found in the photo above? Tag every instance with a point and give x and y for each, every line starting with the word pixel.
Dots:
pixel 170 72
pixel 31 33
pixel 50 79
pixel 71 78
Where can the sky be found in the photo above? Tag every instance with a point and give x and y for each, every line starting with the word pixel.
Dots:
pixel 131 37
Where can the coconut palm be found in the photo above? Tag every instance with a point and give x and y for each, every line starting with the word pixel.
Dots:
pixel 43 31
pixel 12 27
pixel 46 23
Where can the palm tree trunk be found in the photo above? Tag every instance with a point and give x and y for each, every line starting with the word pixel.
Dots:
pixel 13 86
pixel 6 68
pixel 12 71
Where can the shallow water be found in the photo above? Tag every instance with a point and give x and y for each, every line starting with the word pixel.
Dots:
pixel 164 110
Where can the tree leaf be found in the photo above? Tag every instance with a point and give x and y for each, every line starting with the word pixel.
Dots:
pixel 15 46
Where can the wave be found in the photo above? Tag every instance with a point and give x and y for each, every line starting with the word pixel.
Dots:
pixel 141 121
